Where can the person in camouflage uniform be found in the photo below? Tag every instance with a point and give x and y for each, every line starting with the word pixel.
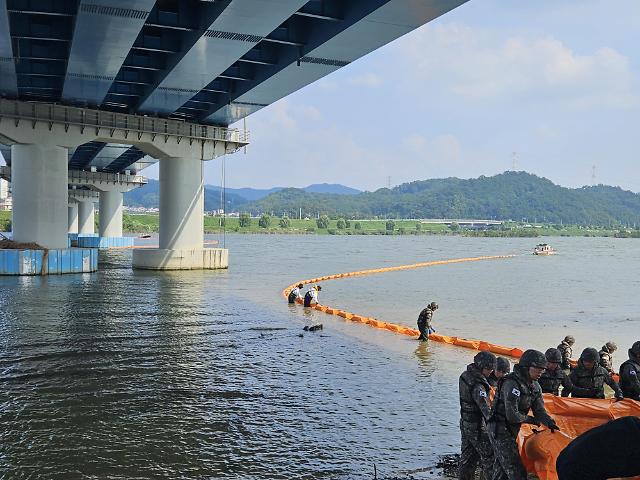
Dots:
pixel 517 394
pixel 502 368
pixel 606 356
pixel 629 372
pixel 424 321
pixel 566 351
pixel 590 376
pixel 474 413
pixel 554 376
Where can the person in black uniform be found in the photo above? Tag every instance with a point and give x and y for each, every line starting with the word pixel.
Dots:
pixel 611 450
pixel 629 373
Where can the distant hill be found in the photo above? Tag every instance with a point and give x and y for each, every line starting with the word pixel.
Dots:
pixel 510 195
pixel 149 195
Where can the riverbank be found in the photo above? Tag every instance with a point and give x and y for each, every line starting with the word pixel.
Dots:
pixel 149 223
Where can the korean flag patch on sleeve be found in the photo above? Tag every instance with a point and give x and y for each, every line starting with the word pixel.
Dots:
pixel 516 392
pixel 483 393
pixel 633 372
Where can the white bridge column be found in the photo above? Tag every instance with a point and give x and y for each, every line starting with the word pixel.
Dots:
pixel 181 204
pixel 86 217
pixel 111 213
pixel 181 222
pixel 73 217
pixel 39 177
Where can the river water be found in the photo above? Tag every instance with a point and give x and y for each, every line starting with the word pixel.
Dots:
pixel 131 374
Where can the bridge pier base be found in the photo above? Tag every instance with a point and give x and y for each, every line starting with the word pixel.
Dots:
pixel 181 222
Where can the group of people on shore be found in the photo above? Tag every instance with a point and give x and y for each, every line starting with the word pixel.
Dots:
pixel 489 428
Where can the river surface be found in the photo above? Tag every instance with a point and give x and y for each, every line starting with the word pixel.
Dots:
pixel 127 374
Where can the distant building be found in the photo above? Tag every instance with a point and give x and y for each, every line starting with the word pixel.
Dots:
pixel 5 196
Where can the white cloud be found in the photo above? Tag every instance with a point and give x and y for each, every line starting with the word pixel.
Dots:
pixel 479 64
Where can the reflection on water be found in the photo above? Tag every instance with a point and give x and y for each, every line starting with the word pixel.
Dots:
pixel 124 374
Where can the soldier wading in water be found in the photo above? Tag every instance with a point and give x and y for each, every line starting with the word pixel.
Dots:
pixel 474 413
pixel 516 394
pixel 424 321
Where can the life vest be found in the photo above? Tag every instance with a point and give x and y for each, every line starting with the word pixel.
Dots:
pixel 550 381
pixel 527 394
pixel 591 380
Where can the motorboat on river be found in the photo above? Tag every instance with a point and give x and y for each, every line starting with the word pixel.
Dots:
pixel 544 249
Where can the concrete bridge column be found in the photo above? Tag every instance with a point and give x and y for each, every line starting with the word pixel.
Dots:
pixel 181 222
pixel 86 217
pixel 181 204
pixel 39 178
pixel 111 213
pixel 73 217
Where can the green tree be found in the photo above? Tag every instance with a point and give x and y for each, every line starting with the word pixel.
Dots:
pixel 418 227
pixel 454 227
pixel 244 220
pixel 347 224
pixel 341 224
pixel 265 221
pixel 285 222
pixel 323 222
pixel 390 225
pixel 358 226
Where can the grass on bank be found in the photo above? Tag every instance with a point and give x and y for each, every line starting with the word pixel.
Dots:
pixel 150 223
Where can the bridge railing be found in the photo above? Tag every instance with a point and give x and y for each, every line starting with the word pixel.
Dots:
pixel 51 114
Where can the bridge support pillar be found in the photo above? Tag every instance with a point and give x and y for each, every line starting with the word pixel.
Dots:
pixel 86 217
pixel 181 221
pixel 111 213
pixel 73 217
pixel 39 184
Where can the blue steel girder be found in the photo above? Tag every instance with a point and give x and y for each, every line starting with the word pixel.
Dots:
pixel 364 26
pixel 85 154
pixel 40 34
pixel 238 28
pixel 170 32
pixel 8 77
pixel 129 157
pixel 93 66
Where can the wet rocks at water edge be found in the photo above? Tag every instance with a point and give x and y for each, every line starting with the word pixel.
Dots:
pixel 312 328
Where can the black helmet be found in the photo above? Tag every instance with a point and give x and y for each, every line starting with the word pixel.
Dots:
pixel 589 355
pixel 635 349
pixel 533 358
pixel 485 360
pixel 611 346
pixel 553 355
pixel 433 306
pixel 503 365
pixel 569 339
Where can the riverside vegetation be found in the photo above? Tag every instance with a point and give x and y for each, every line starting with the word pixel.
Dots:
pixel 266 224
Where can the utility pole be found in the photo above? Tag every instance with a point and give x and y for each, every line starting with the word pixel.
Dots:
pixel 593 175
pixel 389 182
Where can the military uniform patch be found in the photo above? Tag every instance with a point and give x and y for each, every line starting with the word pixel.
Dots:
pixel 516 392
pixel 633 372
pixel 483 393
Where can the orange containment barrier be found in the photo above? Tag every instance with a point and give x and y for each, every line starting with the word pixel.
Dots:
pixel 403 329
pixel 539 448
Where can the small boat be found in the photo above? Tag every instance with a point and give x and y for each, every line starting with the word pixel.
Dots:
pixel 144 235
pixel 543 249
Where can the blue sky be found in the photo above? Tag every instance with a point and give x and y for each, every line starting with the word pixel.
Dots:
pixel 556 82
